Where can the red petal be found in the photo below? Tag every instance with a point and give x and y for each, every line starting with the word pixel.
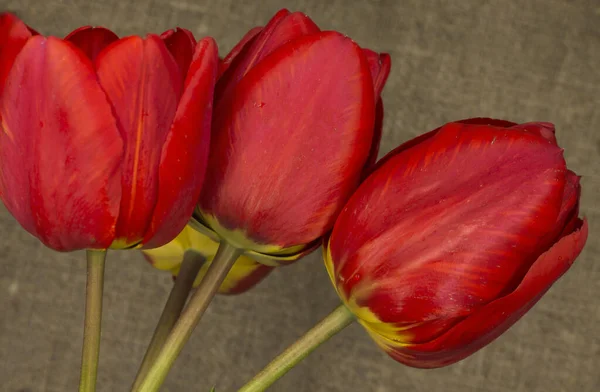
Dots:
pixel 142 81
pixel 181 43
pixel 488 121
pixel 91 40
pixel 237 49
pixel 380 65
pixel 13 35
pixel 290 142
pixel 60 148
pixel 543 129
pixel 421 138
pixel 450 224
pixel 281 29
pixel 377 133
pixel 489 322
pixel 185 154
pixel 568 218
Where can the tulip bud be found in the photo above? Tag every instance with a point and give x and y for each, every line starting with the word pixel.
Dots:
pixel 454 236
pixel 293 131
pixel 244 275
pixel 103 141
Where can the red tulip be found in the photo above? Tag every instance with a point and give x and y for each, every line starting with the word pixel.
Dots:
pixel 455 236
pixel 104 141
pixel 293 130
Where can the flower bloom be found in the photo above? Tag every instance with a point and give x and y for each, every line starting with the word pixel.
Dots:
pixel 297 118
pixel 244 274
pixel 103 141
pixel 454 236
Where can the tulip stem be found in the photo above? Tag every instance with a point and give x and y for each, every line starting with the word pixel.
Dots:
pixel 192 262
pixel 93 320
pixel 220 266
pixel 337 320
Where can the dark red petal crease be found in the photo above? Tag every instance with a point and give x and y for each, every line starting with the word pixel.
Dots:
pixel 182 44
pixel 568 218
pixel 485 325
pixel 91 40
pixel 143 84
pixel 377 133
pixel 185 153
pixel 60 148
pixel 380 65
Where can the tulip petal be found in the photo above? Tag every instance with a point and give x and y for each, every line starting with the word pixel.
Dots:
pixel 185 153
pixel 290 142
pixel 543 129
pixel 490 321
pixel 507 206
pixel 282 28
pixel 91 40
pixel 13 36
pixel 60 148
pixel 421 138
pixel 143 83
pixel 238 48
pixel 380 65
pixel 377 133
pixel 568 218
pixel 182 44
pixel 488 121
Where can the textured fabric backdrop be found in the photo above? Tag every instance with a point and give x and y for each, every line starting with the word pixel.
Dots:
pixel 519 60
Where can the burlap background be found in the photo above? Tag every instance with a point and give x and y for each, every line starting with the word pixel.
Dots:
pixel 519 60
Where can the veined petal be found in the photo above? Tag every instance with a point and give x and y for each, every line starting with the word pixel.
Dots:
pixel 143 84
pixel 13 36
pixel 282 28
pixel 185 153
pixel 490 321
pixel 498 188
pixel 290 142
pixel 182 44
pixel 60 148
pixel 91 40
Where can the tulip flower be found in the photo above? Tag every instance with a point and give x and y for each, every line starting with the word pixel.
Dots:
pixel 454 237
pixel 296 125
pixel 451 239
pixel 104 141
pixel 304 107
pixel 244 274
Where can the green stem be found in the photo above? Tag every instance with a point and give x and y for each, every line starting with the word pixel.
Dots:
pixel 93 320
pixel 220 266
pixel 192 262
pixel 337 320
